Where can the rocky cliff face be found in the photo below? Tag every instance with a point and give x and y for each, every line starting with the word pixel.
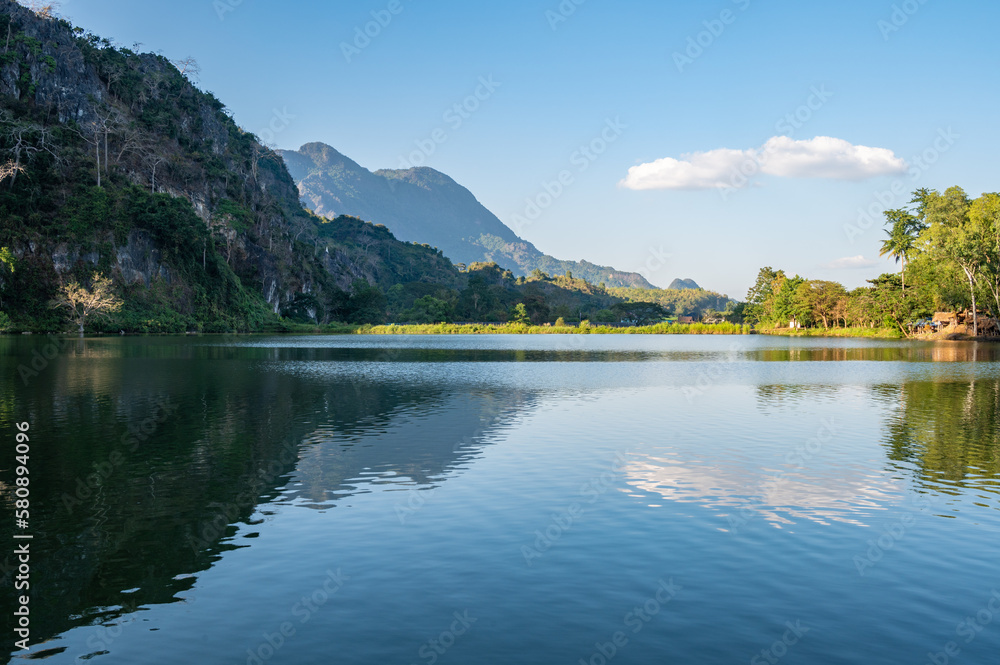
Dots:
pixel 99 136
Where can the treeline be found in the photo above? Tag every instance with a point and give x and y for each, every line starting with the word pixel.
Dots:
pixel 948 248
pixel 696 303
pixel 491 293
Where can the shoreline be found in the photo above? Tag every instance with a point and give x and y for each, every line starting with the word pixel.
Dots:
pixel 390 330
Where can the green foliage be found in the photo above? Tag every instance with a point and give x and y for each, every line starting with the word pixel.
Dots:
pixel 640 313
pixel 949 248
pixel 585 328
pixel 683 302
pixel 8 262
pixel 237 216
pixel 519 314
pixel 5 323
pixel 429 310
pixel 367 304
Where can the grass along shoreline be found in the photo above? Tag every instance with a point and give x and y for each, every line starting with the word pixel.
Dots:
pixel 872 333
pixel 582 329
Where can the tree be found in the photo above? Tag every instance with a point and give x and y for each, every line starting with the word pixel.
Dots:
pixel 520 314
pixel 367 303
pixel 95 133
pixel 10 169
pixel 984 216
pixel 640 313
pixel 188 67
pixel 904 229
pixel 759 294
pixel 785 303
pixel 26 140
pixel 42 9
pixel 428 310
pixel 951 236
pixel 98 301
pixel 821 299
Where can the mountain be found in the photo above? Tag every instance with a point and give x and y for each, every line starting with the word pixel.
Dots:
pixel 683 285
pixel 426 206
pixel 112 162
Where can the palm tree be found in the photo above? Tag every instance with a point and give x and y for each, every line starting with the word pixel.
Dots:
pixel 902 237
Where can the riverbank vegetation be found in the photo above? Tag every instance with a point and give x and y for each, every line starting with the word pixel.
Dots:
pixel 948 248
pixel 585 328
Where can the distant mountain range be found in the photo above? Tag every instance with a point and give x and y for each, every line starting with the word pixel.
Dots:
pixel 684 285
pixel 426 206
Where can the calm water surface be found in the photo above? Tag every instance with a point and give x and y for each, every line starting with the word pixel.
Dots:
pixel 506 500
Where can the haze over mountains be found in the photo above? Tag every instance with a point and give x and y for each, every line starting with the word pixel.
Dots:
pixel 426 206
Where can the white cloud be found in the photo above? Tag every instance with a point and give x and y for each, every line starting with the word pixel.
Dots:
pixel 821 157
pixel 851 263
pixel 698 170
pixel 826 157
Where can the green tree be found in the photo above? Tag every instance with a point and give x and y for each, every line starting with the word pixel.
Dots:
pixel 520 314
pixel 366 304
pixel 820 299
pixel 984 216
pixel 429 310
pixel 952 236
pixel 901 243
pixel 640 313
pixel 759 294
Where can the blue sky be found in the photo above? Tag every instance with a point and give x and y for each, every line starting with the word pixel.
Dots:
pixel 896 80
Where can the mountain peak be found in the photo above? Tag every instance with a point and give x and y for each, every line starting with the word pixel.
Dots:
pixel 684 285
pixel 423 205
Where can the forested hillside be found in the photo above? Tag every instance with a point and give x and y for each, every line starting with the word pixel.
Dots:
pixel 112 162
pixel 424 205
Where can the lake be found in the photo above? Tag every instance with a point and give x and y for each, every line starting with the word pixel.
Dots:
pixel 535 499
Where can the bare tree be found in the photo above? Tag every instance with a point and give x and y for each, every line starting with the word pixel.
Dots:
pixel 153 161
pixel 10 169
pixel 41 9
pixel 97 301
pixel 131 140
pixel 188 67
pixel 96 133
pixel 26 141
